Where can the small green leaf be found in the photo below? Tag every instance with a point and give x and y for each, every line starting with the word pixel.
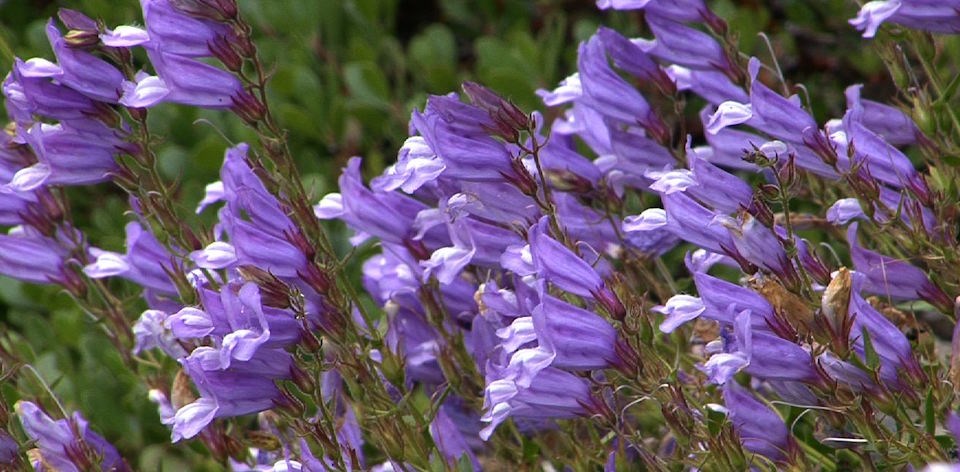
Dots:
pixel 869 353
pixel 929 413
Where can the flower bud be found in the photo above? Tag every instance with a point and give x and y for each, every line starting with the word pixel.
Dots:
pixel 502 111
pixel 216 10
pixel 610 302
pixel 289 403
pixel 248 107
pixel 273 292
pixel 224 51
pixel 302 379
pixel 81 39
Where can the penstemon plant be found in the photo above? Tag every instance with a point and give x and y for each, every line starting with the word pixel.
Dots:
pixel 684 269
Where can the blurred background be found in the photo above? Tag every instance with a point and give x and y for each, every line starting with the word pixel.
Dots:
pixel 346 74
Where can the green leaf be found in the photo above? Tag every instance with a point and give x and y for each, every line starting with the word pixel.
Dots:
pixel 433 58
pixel 930 413
pixel 367 85
pixel 869 353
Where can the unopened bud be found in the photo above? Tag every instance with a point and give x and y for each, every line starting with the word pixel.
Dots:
pixel 610 302
pixel 81 39
pixel 248 107
pixel 316 278
pixel 216 10
pixel 75 20
pixel 503 112
pixel 521 177
pixel 309 341
pixel 289 403
pixel 567 181
pixel 224 51
pixel 302 379
pixel 273 291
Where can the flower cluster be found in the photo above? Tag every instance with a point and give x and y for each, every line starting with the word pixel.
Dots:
pixel 520 265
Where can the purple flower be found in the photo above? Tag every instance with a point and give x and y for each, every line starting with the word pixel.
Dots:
pixel 173 31
pixel 677 10
pixel 69 156
pixel 938 16
pixel 60 446
pixel 151 333
pixel 261 233
pixel 245 387
pixel 631 58
pixel 416 166
pixel 724 300
pixel 844 210
pixel 83 71
pixel 685 46
pixel 459 134
pixel 450 441
pixel 714 87
pixel 761 354
pixel 707 183
pixel 887 122
pixel 31 257
pixel 385 215
pixel 182 80
pixel 891 277
pixel 889 343
pixel 609 94
pixel 235 319
pixel 556 264
pixel 556 394
pixel 146 262
pixel 31 92
pixel 688 220
pixel 760 428
pixel 883 161
pixel 678 310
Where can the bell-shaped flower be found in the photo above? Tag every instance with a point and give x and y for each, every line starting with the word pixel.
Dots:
pixel 67 445
pixel 182 80
pixel 761 430
pixel 175 32
pixel 146 262
pixel 888 341
pixel 713 86
pixel 416 166
pixel 150 332
pixel 889 277
pixel 28 256
pixel 889 123
pixel 678 310
pixel 245 387
pixel 677 43
pixel 677 10
pixel 69 156
pixel 689 220
pixel 558 265
pixel 31 92
pixel 844 210
pixel 606 91
pixel 460 135
pixel 557 394
pixel 451 443
pixel 388 216
pixel 761 354
pixel 84 72
pixel 632 59
pixel 928 15
pixel 723 300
